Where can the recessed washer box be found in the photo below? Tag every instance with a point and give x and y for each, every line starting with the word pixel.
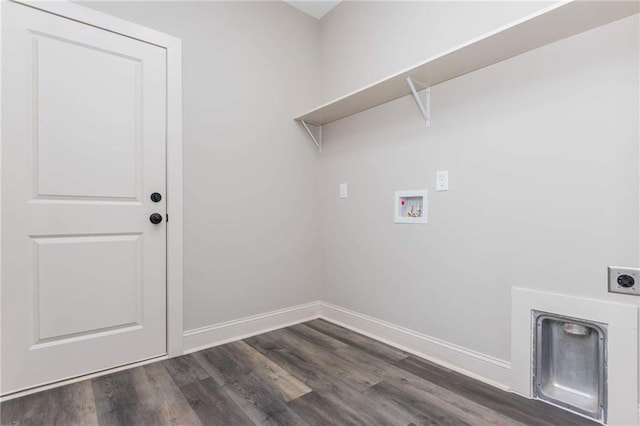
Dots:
pixel 411 206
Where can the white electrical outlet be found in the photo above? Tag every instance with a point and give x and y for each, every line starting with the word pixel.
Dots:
pixel 442 180
pixel 343 190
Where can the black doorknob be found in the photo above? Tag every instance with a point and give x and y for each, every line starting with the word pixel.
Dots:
pixel 155 218
pixel 156 197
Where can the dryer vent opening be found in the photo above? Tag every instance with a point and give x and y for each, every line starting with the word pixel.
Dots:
pixel 570 368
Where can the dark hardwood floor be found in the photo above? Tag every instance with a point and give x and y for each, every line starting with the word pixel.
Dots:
pixel 314 373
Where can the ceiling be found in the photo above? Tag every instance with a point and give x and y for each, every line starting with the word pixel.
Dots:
pixel 317 9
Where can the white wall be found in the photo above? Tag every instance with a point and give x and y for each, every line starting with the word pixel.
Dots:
pixel 365 41
pixel 542 153
pixel 250 203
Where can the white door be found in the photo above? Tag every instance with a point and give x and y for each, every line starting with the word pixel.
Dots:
pixel 83 282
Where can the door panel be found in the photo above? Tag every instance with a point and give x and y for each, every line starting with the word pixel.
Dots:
pixel 66 306
pixel 86 138
pixel 83 147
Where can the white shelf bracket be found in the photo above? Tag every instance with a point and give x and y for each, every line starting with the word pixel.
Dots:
pixel 316 139
pixel 425 109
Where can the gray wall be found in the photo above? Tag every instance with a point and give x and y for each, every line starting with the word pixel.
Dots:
pixel 542 154
pixel 366 41
pixel 250 178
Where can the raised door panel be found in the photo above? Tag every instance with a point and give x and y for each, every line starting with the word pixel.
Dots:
pixel 87 105
pixel 86 285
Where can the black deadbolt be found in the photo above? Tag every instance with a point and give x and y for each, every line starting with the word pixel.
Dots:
pixel 156 197
pixel 155 218
pixel 626 281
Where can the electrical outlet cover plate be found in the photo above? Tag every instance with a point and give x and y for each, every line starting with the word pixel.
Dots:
pixel 343 190
pixel 616 272
pixel 442 180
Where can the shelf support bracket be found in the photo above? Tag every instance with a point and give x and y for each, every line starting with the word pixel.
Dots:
pixel 425 109
pixel 316 139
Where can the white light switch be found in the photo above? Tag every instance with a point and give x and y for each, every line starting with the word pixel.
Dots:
pixel 343 190
pixel 442 180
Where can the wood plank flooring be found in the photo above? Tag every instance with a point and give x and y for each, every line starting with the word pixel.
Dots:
pixel 314 373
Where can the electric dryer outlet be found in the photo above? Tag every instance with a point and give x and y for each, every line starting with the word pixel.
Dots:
pixel 624 280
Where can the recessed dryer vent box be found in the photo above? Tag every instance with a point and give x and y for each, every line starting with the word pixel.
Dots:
pixel 411 206
pixel 570 368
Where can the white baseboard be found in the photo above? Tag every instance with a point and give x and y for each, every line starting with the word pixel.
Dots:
pixel 219 334
pixel 482 367
pixel 493 371
pixel 485 368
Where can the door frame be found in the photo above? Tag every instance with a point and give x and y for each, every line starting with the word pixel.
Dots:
pixel 173 47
